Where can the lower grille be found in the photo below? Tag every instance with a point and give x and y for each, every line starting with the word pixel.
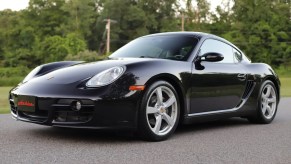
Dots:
pixel 71 116
pixel 65 113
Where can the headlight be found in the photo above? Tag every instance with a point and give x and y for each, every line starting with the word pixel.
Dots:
pixel 105 77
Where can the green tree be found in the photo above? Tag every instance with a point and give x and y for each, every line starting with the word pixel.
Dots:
pixel 130 21
pixel 262 29
pixel 47 17
pixel 221 20
pixel 52 30
pixel 1 48
pixel 75 44
pixel 161 16
pixel 197 15
pixel 9 24
pixel 82 15
pixel 54 48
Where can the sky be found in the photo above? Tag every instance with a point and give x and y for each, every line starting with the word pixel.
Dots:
pixel 13 4
pixel 22 4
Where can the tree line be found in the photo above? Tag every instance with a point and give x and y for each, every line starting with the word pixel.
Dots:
pixel 54 30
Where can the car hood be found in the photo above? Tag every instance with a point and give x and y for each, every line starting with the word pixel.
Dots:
pixel 83 71
pixel 71 79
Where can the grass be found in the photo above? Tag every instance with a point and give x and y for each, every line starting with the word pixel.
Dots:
pixel 285 86
pixel 4 104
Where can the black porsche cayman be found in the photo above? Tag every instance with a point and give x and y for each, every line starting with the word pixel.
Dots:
pixel 150 85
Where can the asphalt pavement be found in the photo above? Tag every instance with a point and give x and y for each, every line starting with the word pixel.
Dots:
pixel 226 141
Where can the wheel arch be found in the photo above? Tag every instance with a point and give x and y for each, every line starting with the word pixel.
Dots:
pixel 176 83
pixel 264 72
pixel 276 83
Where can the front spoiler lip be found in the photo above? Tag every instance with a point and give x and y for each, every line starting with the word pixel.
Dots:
pixel 17 118
pixel 73 126
pixel 96 127
pixel 49 121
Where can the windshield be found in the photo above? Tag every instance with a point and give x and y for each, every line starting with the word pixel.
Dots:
pixel 163 47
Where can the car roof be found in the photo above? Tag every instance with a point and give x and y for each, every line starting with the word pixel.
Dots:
pixel 198 35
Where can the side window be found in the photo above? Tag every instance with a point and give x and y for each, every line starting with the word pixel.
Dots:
pixel 237 56
pixel 211 45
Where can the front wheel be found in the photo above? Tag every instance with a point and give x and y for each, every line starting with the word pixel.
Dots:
pixel 160 110
pixel 267 104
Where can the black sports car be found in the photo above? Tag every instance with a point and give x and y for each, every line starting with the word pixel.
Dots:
pixel 150 85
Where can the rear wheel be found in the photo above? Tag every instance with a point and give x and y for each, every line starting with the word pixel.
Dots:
pixel 160 110
pixel 267 104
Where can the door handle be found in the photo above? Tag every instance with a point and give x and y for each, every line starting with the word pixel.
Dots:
pixel 242 77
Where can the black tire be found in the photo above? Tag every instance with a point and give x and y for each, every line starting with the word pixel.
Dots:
pixel 145 129
pixel 259 116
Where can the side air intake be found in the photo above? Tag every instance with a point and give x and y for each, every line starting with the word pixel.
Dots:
pixel 249 87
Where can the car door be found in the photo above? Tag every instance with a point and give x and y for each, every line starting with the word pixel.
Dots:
pixel 219 85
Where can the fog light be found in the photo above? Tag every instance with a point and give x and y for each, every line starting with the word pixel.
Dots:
pixel 76 106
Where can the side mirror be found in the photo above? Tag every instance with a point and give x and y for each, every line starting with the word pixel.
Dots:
pixel 212 57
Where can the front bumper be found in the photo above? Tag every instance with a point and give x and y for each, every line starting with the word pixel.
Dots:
pixel 95 113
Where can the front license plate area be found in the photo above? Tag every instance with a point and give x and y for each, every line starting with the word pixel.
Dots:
pixel 26 103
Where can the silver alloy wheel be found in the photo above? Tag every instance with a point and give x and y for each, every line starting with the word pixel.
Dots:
pixel 268 101
pixel 161 110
